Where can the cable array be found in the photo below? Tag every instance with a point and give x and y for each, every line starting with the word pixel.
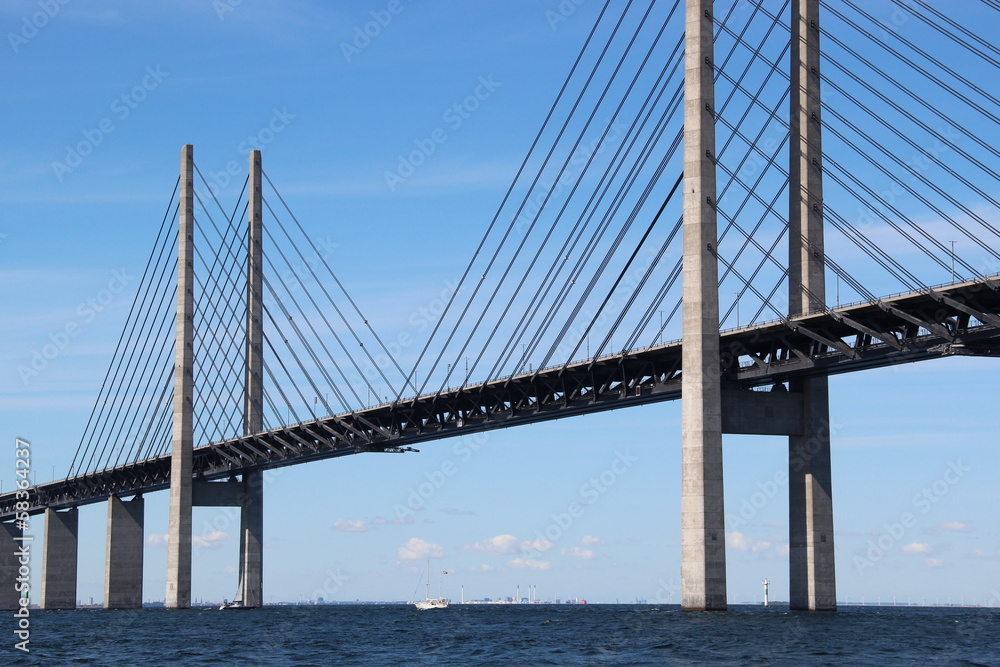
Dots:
pixel 582 252
pixel 130 419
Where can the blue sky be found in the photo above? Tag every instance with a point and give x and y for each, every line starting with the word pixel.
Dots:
pixel 136 83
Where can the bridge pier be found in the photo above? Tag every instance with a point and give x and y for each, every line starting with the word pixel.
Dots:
pixel 123 563
pixel 251 584
pixel 812 578
pixel 248 495
pixel 9 565
pixel 59 559
pixel 703 536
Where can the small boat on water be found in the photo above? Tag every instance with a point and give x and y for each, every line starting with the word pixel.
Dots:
pixel 428 602
pixel 235 604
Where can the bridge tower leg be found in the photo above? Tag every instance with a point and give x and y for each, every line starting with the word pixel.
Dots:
pixel 10 564
pixel 252 505
pixel 703 538
pixel 179 534
pixel 123 564
pixel 59 559
pixel 812 579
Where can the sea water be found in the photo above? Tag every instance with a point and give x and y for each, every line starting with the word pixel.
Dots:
pixel 511 635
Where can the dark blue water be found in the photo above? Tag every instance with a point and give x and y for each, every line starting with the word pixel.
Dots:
pixel 512 635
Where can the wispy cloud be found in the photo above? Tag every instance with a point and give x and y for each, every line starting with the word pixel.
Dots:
pixel 529 564
pixel 456 512
pixel 350 525
pixel 501 544
pixel 210 540
pixel 577 552
pixel 482 568
pixel 591 541
pixel 382 521
pixel 932 563
pixel 950 527
pixel 507 544
pixel 737 541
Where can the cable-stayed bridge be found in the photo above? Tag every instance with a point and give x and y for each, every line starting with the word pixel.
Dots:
pixel 694 153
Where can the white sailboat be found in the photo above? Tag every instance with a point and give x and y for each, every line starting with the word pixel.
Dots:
pixel 237 602
pixel 428 602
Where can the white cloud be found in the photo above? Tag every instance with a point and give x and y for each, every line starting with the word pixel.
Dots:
pixel 501 544
pixel 212 540
pixel 541 544
pixel 529 564
pixel 916 548
pixel 932 563
pixel 417 549
pixel 157 540
pixel 577 552
pixel 349 525
pixel 229 569
pixel 591 541
pixel 739 542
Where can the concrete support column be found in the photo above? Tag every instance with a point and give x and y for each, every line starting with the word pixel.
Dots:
pixel 9 565
pixel 812 578
pixel 59 559
pixel 179 534
pixel 812 574
pixel 251 540
pixel 123 564
pixel 252 506
pixel 703 538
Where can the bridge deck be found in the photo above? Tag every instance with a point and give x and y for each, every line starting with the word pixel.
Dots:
pixel 963 318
